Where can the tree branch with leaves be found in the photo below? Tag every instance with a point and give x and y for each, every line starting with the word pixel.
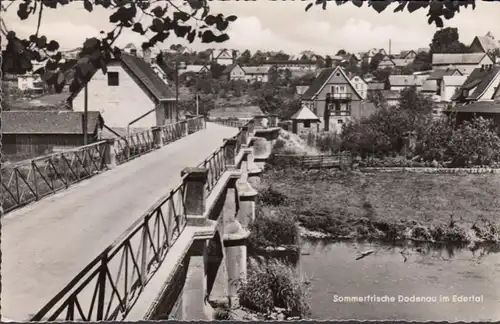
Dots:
pixel 191 20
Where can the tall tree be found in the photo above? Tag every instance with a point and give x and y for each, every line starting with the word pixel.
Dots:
pixel 191 20
pixel 341 52
pixel 244 58
pixel 446 40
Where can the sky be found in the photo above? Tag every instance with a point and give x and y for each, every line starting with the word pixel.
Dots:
pixel 279 25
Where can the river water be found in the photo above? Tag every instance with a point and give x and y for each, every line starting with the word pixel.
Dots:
pixel 430 271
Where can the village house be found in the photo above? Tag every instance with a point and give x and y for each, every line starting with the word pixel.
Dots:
pixel 234 72
pixel 436 76
pixel 429 89
pixel 359 84
pixel 375 86
pixel 223 56
pixel 386 63
pixel 129 94
pixel 481 85
pixel 465 62
pixel 368 56
pixel 305 121
pixel 391 97
pixel 449 85
pixel 408 55
pixel 484 44
pixel 401 82
pixel 195 69
pixel 256 73
pixel 160 72
pixel 346 103
pixel 27 134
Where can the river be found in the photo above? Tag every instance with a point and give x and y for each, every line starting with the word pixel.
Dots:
pixel 430 272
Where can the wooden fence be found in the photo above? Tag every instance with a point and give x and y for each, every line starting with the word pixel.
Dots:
pixel 318 161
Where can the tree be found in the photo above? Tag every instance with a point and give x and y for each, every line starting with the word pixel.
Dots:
pixel 244 58
pixel 190 21
pixel 375 61
pixel 341 52
pixel 328 61
pixel 437 10
pixel 446 40
pixel 216 70
pixel 281 56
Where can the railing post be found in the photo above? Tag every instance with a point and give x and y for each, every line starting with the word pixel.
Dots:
pixel 110 155
pixel 261 121
pixel 244 135
pixel 185 128
pixel 195 181
pixel 251 127
pixel 230 152
pixel 157 138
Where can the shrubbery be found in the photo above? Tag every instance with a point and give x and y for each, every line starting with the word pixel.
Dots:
pixel 274 284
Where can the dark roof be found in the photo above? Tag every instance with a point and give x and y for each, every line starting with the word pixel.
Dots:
pixel 376 86
pixel 439 74
pixel 317 83
pixel 480 78
pixel 229 68
pixel 145 73
pixel 479 107
pixel 49 122
pixel 278 62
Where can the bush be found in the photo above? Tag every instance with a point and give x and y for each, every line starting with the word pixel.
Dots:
pixel 271 197
pixel 273 229
pixel 274 284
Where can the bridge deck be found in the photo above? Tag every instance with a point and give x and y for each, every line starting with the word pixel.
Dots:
pixel 47 243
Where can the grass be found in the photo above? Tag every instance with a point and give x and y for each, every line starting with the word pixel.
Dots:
pixel 274 284
pixel 390 206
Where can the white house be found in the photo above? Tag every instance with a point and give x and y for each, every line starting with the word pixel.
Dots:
pixel 359 84
pixel 234 72
pixel 129 94
pixel 256 73
pixel 449 85
pixel 194 69
pixel 222 56
pixel 292 65
pixel 465 63
pixel 29 82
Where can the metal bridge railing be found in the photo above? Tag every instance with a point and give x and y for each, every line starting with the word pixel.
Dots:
pixel 107 288
pixel 31 180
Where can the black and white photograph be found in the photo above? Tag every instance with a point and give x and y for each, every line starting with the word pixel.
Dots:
pixel 249 160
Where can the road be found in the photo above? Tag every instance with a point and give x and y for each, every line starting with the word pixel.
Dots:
pixel 45 244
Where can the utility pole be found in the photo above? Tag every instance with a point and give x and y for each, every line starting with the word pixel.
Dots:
pixel 197 106
pixel 177 89
pixel 85 115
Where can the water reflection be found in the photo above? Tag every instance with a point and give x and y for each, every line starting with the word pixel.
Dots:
pixel 402 269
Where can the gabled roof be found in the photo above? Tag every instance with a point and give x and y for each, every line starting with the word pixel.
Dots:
pixel 376 86
pixel 439 74
pixel 229 68
pixel 486 107
pixel 387 59
pixel 454 80
pixel 304 113
pixel 321 80
pixel 487 42
pixel 457 58
pixel 479 79
pixel 391 94
pixel 49 122
pixel 404 54
pixel 400 62
pixel 145 73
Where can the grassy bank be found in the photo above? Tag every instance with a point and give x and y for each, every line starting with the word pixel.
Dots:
pixel 389 206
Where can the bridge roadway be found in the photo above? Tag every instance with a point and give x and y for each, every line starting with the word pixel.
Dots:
pixel 45 244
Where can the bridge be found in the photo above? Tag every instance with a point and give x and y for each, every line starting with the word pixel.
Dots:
pixel 58 263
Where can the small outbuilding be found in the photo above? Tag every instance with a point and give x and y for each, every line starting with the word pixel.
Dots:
pixel 305 121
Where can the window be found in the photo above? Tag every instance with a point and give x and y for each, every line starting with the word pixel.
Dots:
pixel 307 123
pixel 340 121
pixel 113 79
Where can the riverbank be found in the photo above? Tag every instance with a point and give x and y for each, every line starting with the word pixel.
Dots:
pixel 387 206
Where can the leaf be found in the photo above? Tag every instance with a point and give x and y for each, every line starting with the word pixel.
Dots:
pixel 401 6
pixel 23 11
pixel 222 38
pixel 50 3
pixel 231 18
pixel 439 22
pixel 88 5
pixel 138 28
pixel 448 14
pixel 208 36
pixel 191 36
pixel 222 25
pixel 52 46
pixel 158 11
pixel 182 16
pixel 195 4
pixel 157 25
pixel 415 5
pixel 309 6
pixel 91 43
pixel 181 31
pixel 379 5
pixel 41 42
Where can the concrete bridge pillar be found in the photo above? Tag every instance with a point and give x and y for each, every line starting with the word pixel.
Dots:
pixel 195 180
pixel 273 120
pixel 230 152
pixel 252 171
pixel 244 135
pixel 157 138
pixel 261 121
pixel 251 127
pixel 246 197
pixel 109 154
pixel 235 250
pixel 184 128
